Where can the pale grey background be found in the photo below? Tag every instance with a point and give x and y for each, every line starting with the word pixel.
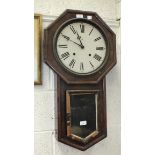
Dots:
pixel 45 118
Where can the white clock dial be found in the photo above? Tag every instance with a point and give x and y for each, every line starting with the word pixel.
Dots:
pixel 81 48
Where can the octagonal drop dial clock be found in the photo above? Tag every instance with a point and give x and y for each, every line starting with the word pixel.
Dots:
pixel 81 48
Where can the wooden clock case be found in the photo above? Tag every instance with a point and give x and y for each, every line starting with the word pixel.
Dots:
pixel 68 82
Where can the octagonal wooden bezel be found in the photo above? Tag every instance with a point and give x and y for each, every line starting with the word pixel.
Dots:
pixel 51 61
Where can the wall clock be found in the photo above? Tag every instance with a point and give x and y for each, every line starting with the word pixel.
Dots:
pixel 81 49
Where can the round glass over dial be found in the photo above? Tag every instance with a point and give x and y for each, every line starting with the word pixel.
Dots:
pixel 81 47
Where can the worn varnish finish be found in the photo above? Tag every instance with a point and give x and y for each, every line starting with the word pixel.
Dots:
pixel 67 81
pixel 49 50
pixel 62 86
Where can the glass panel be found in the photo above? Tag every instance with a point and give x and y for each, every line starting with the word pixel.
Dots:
pixel 83 114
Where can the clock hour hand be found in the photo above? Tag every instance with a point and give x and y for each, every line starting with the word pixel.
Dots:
pixel 76 43
pixel 71 40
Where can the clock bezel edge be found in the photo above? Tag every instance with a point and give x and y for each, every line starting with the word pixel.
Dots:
pixel 91 22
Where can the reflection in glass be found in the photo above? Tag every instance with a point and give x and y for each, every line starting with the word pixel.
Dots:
pixel 83 114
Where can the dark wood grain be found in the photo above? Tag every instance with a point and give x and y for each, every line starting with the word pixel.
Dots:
pixel 62 87
pixel 49 50
pixel 67 81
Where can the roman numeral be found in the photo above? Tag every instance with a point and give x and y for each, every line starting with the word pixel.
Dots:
pixel 72 63
pixel 65 55
pixel 91 31
pixel 99 48
pixel 82 28
pixel 63 46
pixel 65 37
pixel 72 28
pixel 97 39
pixel 97 57
pixel 81 66
pixel 91 64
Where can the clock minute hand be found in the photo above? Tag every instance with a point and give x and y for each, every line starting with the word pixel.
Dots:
pixel 71 40
pixel 78 37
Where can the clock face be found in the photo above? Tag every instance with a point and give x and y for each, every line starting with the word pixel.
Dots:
pixel 81 47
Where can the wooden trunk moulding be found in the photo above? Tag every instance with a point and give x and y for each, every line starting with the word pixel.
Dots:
pixel 64 131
